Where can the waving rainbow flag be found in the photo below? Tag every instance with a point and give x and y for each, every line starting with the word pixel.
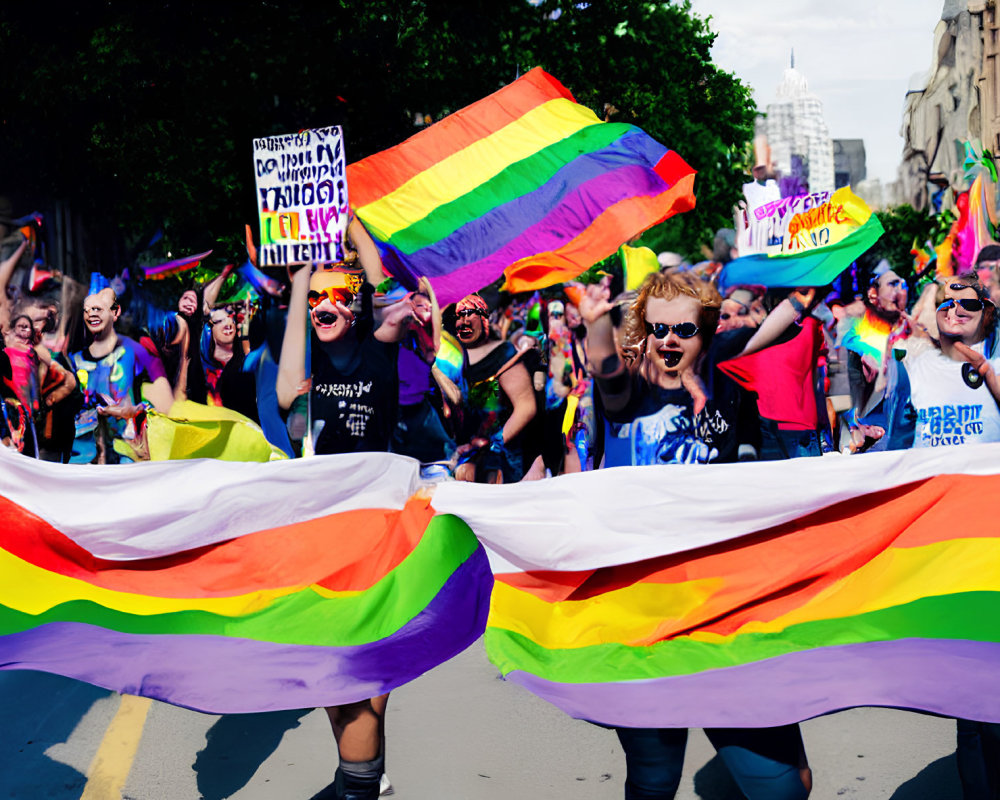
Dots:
pixel 748 595
pixel 805 246
pixel 525 183
pixel 234 590
pixel 170 268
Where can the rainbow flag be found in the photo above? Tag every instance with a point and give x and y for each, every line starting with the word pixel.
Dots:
pixel 450 358
pixel 808 248
pixel 251 588
pixel 524 183
pixel 170 268
pixel 748 595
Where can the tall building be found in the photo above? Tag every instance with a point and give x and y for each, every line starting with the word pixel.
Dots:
pixel 956 100
pixel 796 131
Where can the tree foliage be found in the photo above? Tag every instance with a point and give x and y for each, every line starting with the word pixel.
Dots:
pixel 141 115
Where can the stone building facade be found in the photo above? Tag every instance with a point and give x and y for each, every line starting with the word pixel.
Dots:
pixel 957 100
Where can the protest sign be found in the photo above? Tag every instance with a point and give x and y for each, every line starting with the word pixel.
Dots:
pixel 301 197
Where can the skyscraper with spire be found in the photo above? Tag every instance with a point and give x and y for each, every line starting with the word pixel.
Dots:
pixel 797 133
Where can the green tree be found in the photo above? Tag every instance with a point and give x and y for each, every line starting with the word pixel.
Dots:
pixel 141 115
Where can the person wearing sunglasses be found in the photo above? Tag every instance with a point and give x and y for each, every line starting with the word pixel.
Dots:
pixel 652 396
pixel 949 386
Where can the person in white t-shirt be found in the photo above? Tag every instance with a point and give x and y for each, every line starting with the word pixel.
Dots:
pixel 954 389
pixel 955 394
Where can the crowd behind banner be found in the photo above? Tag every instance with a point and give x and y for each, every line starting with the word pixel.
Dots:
pixel 497 388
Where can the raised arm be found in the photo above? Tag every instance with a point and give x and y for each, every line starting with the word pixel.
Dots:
pixel 782 315
pixel 6 271
pixel 214 286
pixel 292 362
pixel 368 255
pixel 603 361
pixel 396 321
pixel 424 286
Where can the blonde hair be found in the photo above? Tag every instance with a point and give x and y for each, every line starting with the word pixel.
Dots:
pixel 669 286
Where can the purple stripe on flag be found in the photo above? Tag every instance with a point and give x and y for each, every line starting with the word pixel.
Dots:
pixel 952 677
pixel 478 253
pixel 217 675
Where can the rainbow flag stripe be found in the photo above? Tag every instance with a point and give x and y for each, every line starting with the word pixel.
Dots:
pixel 525 183
pixel 176 267
pixel 324 609
pixel 878 598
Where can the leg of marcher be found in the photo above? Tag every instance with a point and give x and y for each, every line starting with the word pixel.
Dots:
pixel 977 753
pixel 358 729
pixel 654 758
pixel 766 763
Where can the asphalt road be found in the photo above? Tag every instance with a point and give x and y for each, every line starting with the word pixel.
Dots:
pixel 458 733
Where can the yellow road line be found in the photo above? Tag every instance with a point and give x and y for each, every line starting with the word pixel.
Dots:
pixel 113 759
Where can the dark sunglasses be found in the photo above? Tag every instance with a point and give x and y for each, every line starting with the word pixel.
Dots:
pixel 335 296
pixel 682 330
pixel 469 312
pixel 970 304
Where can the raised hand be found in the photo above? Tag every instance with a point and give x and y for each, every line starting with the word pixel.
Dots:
pixel 596 301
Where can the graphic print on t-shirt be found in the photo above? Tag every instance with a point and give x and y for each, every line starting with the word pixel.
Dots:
pixel 353 413
pixel 949 424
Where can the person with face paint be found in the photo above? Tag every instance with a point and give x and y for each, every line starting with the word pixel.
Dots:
pixel 108 371
pixel 500 401
pixel 353 393
pixel 652 393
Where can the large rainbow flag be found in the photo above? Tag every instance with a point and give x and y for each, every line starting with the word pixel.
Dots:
pixel 231 588
pixel 683 596
pixel 524 183
pixel 748 595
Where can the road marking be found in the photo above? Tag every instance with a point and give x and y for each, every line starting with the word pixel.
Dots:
pixel 113 759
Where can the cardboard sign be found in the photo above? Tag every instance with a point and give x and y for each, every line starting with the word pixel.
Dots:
pixel 301 197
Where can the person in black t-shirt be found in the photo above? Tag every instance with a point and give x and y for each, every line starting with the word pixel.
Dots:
pixel 353 395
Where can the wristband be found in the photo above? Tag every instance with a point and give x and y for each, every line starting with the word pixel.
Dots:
pixel 799 308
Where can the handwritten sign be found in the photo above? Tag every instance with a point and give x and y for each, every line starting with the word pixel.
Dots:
pixel 301 197
pixel 765 228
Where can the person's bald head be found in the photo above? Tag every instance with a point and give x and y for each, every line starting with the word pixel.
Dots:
pixel 100 311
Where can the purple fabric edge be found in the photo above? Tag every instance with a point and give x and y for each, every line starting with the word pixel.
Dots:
pixel 216 675
pixel 950 677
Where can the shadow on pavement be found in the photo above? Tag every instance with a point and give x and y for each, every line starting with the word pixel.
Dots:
pixel 37 711
pixel 236 746
pixel 939 780
pixel 714 782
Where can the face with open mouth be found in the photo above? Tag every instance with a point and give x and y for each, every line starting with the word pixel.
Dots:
pixel 673 339
pixel 960 316
pixel 470 328
pixel 100 311
pixel 330 297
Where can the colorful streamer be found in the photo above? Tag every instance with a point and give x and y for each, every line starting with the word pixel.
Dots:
pixel 524 183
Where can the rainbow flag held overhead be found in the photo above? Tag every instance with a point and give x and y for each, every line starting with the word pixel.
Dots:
pixel 179 265
pixel 524 183
pixel 251 588
pixel 748 595
pixel 807 248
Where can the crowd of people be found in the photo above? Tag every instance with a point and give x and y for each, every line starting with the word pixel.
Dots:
pixel 499 388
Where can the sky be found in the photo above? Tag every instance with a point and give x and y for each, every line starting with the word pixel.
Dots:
pixel 857 55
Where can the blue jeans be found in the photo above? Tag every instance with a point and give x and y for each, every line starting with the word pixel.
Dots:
pixel 764 762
